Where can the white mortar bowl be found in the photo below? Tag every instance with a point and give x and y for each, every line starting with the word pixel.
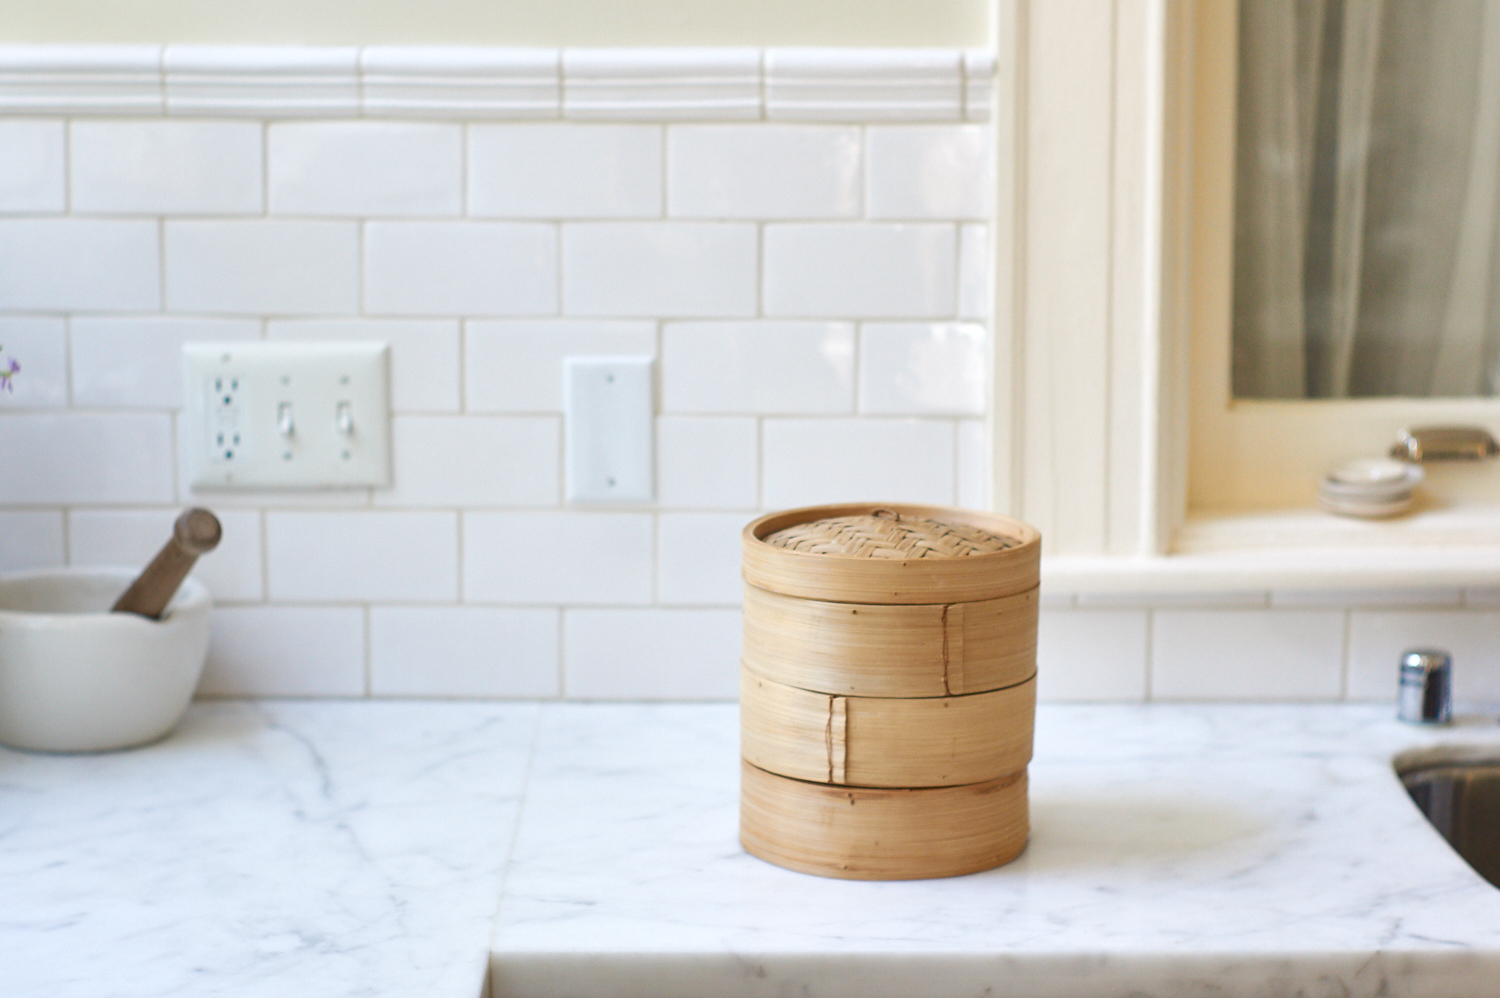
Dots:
pixel 76 678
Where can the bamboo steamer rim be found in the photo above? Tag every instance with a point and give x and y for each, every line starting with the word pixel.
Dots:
pixel 863 579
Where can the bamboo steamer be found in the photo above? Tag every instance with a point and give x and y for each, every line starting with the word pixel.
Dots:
pixel 887 689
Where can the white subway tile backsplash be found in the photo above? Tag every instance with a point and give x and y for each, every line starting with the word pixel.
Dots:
pixel 132 537
pixel 285 651
pixel 973 465
pixel 974 271
pixel 698 558
pixel 39 349
pixel 979 84
pixel 86 458
pixel 1247 654
pixel 463 651
pixel 424 355
pixel 32 166
pixel 460 268
pixel 783 368
pixel 666 269
pixel 166 167
pixel 80 79
pixel 666 83
pixel 380 556
pixel 1378 639
pixel 565 171
pixel 763 171
pixel 30 539
pixel 517 365
pixel 1085 655
pixel 811 461
pixel 928 171
pixel 135 361
pixel 707 462
pixel 908 368
pixel 273 81
pixel 651 654
pixel 79 264
pixel 474 461
pixel 558 557
pixel 861 270
pixel 367 168
pixel 460 81
pixel 1368 597
pixel 268 266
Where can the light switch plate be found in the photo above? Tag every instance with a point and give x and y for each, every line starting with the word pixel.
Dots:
pixel 609 404
pixel 288 415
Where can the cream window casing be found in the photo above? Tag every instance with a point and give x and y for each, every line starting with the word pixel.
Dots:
pixel 1112 427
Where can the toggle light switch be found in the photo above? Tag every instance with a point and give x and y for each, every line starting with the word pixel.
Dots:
pixel 287 415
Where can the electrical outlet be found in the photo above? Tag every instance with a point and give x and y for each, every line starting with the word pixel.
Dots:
pixel 287 415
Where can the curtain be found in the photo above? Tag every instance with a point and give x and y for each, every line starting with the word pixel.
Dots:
pixel 1367 199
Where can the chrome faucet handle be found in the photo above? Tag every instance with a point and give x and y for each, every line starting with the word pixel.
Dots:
pixel 1426 692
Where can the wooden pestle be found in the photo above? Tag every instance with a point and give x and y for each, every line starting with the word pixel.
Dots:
pixel 196 532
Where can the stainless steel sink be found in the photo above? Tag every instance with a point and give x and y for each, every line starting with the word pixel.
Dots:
pixel 1462 800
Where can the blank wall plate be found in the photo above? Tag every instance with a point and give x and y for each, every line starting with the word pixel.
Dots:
pixel 609 404
pixel 287 415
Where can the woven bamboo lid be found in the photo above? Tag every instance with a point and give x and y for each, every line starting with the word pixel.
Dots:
pixel 867 553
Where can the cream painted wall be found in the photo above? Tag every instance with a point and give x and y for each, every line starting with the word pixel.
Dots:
pixel 896 23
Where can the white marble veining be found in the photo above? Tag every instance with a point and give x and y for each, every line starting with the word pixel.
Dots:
pixel 264 849
pixel 1176 850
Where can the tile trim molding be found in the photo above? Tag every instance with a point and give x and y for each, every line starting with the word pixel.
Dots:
pixel 645 84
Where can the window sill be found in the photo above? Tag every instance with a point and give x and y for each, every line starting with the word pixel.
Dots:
pixel 1300 550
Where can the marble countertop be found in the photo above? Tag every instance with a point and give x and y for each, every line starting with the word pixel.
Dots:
pixel 364 848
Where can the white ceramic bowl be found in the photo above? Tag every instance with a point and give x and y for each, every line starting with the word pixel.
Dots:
pixel 76 678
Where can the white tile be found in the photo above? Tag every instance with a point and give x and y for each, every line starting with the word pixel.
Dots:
pixel 31 166
pixel 678 83
pixel 974 278
pixel 1215 599
pixel 474 461
pixel 132 537
pixel 166 167
pixel 460 81
pixel 781 368
pixel 1246 654
pixel 1368 597
pixel 517 365
pixel 137 361
pixel 979 84
pixel 860 270
pixel 671 269
pixel 330 556
pixel 262 81
pixel 763 171
pixel 33 363
pixel 265 266
pixel 79 264
pixel 286 651
pixel 973 464
pixel 651 654
pixel 922 368
pixel 1085 655
pixel 698 558
pixel 928 171
pixel 1377 640
pixel 811 461
pixel 565 171
pixel 86 458
pixel 1050 599
pixel 80 79
pixel 424 355
pixel 368 168
pixel 862 84
pixel 460 268
pixel 463 651
pixel 707 462
pixel 558 557
pixel 30 540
